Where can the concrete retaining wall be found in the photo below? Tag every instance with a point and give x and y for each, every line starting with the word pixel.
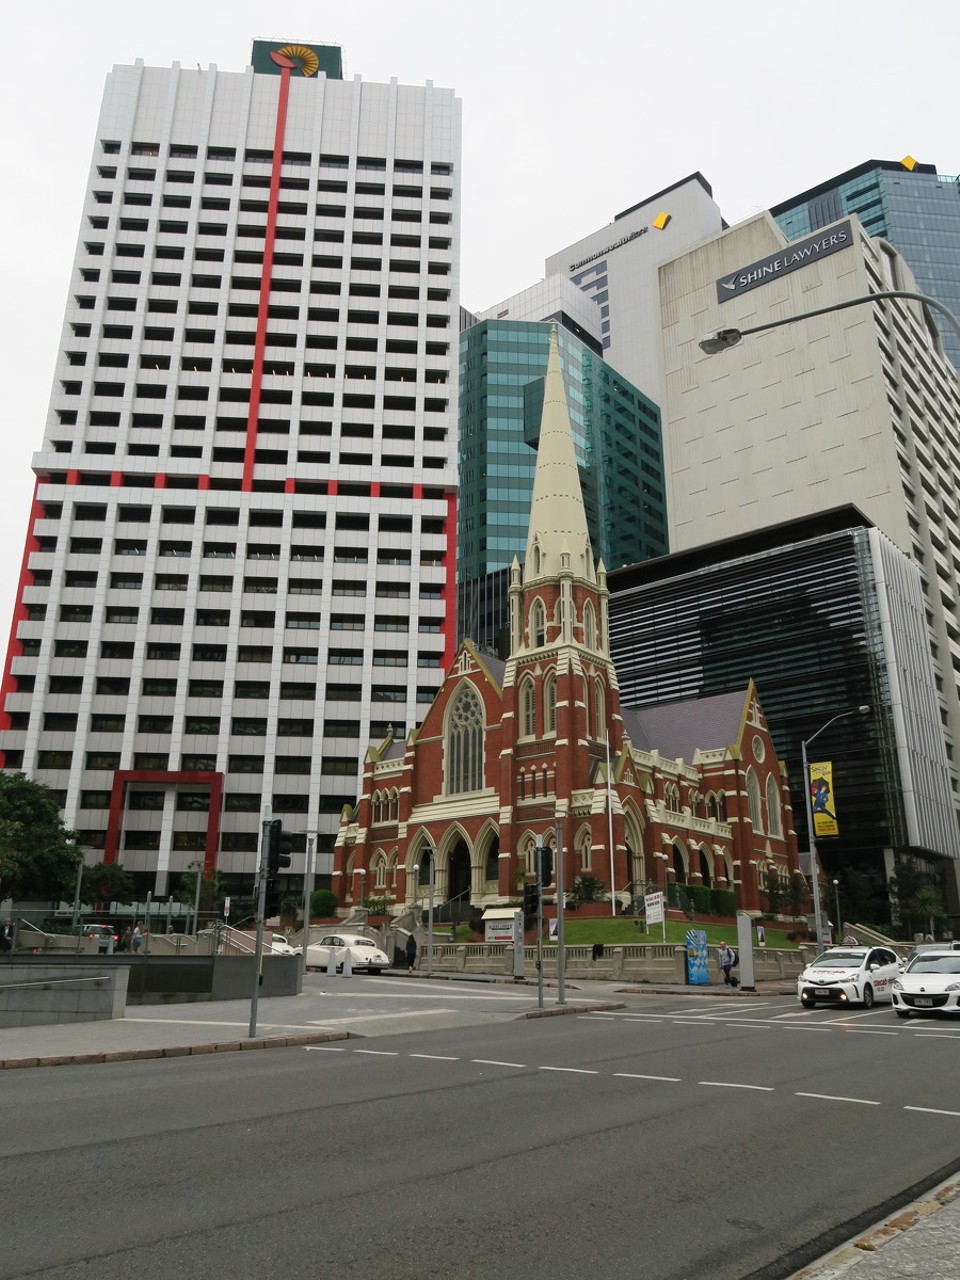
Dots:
pixel 635 964
pixel 38 995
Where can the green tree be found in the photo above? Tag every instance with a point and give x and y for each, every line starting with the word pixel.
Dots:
pixel 586 888
pixel 106 882
pixel 212 892
pixel 927 905
pixel 775 889
pixel 38 859
pixel 323 904
pixel 799 894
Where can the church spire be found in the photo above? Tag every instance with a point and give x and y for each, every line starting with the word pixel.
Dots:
pixel 558 538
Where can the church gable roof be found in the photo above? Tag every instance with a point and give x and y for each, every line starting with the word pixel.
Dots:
pixel 678 729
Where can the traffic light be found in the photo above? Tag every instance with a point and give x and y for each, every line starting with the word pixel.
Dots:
pixel 531 898
pixel 279 844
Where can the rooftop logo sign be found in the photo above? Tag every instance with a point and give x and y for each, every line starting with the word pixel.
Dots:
pixel 795 256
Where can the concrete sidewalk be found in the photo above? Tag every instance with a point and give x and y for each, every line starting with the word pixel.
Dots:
pixel 204 1027
pixel 922 1239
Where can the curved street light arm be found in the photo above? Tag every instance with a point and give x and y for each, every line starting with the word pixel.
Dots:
pixel 859 302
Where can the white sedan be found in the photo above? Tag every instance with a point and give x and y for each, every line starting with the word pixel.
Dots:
pixel 929 984
pixel 281 947
pixel 365 955
pixel 849 975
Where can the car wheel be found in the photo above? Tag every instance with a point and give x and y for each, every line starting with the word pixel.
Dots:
pixel 806 1002
pixel 868 997
pixel 902 1013
pixel 374 971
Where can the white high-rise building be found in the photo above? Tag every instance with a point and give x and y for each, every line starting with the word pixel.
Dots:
pixel 239 568
pixel 855 406
pixel 616 267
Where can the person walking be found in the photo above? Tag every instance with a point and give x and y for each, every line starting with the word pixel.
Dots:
pixel 411 952
pixel 125 940
pixel 727 959
pixel 6 936
pixel 137 936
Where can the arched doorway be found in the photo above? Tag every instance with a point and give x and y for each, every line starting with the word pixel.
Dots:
pixel 458 879
pixel 705 877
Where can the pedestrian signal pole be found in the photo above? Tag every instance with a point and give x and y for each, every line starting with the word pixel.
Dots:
pixel 265 832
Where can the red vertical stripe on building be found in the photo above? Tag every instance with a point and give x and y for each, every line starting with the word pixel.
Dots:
pixel 450 585
pixel 14 647
pixel 256 379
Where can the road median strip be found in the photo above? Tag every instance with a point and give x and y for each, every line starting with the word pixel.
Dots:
pixel 170 1051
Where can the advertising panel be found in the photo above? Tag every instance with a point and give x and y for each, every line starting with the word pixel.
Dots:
pixel 821 800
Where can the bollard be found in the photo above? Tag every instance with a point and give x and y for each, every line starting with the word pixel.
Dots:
pixel 347 963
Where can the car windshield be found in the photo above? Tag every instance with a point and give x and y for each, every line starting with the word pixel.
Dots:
pixel 936 964
pixel 362 942
pixel 839 960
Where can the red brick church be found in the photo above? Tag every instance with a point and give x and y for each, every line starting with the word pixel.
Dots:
pixel 538 750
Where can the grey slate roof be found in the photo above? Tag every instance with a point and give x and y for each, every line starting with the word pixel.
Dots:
pixel 677 729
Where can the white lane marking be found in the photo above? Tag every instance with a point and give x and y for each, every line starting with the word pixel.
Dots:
pixel 503 994
pixel 726 1084
pixel 830 1097
pixel 324 1048
pixel 933 1111
pixel 435 1057
pixel 633 1075
pixel 576 1071
pixel 866 1031
pixel 810 1026
pixel 678 1023
pixel 379 1053
pixel 377 1017
pixel 492 1062
pixel 933 1035
pixel 754 1024
pixel 852 1017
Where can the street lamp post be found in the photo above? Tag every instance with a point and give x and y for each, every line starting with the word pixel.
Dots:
pixel 722 339
pixel 811 838
pixel 836 898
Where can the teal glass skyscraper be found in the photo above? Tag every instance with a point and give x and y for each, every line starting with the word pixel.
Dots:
pixel 618 446
pixel 909 204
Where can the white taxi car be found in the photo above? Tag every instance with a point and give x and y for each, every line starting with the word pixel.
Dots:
pixel 929 984
pixel 365 955
pixel 849 975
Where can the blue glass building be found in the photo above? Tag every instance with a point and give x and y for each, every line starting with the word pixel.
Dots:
pixel 617 440
pixel 917 210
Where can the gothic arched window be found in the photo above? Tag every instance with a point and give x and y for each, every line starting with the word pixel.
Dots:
pixel 550 703
pixel 538 624
pixel 589 626
pixel 528 708
pixel 753 801
pixel 464 752
pixel 774 823
pixel 599 707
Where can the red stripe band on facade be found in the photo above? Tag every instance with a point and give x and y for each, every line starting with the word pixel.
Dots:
pixel 14 646
pixel 256 378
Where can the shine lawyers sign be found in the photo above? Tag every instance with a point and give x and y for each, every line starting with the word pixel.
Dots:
pixel 792 258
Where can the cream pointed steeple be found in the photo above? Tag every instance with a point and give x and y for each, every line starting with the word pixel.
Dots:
pixel 558 539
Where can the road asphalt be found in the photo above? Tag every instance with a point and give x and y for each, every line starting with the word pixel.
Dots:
pixel 919 1240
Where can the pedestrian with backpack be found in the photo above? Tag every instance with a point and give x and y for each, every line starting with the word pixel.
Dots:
pixel 727 959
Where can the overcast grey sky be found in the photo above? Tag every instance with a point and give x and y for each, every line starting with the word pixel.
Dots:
pixel 571 113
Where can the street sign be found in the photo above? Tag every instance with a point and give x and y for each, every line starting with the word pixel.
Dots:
pixel 653 904
pixel 226 908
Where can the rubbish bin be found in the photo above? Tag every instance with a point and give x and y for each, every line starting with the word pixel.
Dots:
pixel 598 951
